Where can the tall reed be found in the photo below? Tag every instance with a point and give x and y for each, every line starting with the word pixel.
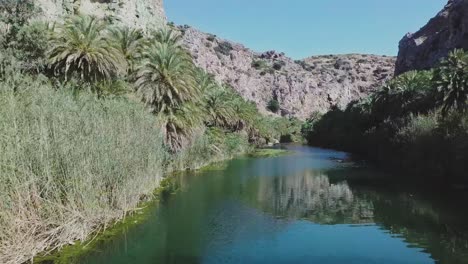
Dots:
pixel 69 164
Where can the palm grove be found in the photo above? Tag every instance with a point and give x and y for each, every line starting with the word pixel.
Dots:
pixel 79 149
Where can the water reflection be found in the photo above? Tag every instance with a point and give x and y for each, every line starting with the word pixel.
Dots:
pixel 304 208
pixel 310 195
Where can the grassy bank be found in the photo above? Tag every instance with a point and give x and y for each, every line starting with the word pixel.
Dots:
pixel 72 164
pixel 416 125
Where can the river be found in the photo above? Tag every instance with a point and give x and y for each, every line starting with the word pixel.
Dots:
pixel 307 207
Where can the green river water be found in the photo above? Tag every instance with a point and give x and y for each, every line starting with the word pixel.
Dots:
pixel 307 207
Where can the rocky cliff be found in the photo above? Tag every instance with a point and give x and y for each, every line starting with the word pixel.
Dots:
pixel 446 31
pixel 301 87
pixel 143 14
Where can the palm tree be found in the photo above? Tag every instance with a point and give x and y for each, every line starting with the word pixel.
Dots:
pixel 451 79
pixel 409 92
pixel 80 47
pixel 219 108
pixel 129 42
pixel 165 78
pixel 167 35
pixel 216 101
pixel 245 113
pixel 205 81
pixel 178 124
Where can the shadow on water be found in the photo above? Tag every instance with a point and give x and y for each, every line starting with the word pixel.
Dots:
pixel 313 206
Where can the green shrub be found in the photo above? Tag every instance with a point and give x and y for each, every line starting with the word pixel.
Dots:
pixel 259 64
pixel 32 41
pixel 273 105
pixel 29 46
pixel 224 48
pixel 278 65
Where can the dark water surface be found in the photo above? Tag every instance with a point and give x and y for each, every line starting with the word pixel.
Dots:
pixel 307 207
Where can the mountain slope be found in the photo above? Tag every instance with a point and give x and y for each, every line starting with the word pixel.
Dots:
pixel 301 87
pixel 446 31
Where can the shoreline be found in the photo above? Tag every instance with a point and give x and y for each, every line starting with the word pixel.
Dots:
pixel 73 251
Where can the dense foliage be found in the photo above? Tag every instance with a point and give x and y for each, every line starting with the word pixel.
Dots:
pixel 417 123
pixel 79 150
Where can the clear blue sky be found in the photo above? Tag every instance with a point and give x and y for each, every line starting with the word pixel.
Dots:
pixel 301 28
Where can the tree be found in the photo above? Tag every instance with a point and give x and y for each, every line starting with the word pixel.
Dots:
pixel 218 104
pixel 179 124
pixel 81 48
pixel 205 81
pixel 451 79
pixel 165 79
pixel 245 113
pixel 411 92
pixel 166 35
pixel 129 42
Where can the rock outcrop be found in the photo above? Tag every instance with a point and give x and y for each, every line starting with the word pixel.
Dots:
pixel 301 87
pixel 445 32
pixel 144 14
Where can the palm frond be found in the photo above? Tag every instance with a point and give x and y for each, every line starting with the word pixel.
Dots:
pixel 80 48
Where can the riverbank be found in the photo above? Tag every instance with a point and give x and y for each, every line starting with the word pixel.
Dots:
pixel 73 164
pixel 168 186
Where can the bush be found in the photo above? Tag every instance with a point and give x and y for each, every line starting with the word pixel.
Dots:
pixel 278 65
pixel 224 48
pixel 259 64
pixel 273 105
pixel 29 46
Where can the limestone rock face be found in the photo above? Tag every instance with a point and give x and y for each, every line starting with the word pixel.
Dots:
pixel 143 14
pixel 301 87
pixel 446 31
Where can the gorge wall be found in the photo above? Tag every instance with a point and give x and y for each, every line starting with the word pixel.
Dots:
pixel 446 31
pixel 145 14
pixel 301 87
